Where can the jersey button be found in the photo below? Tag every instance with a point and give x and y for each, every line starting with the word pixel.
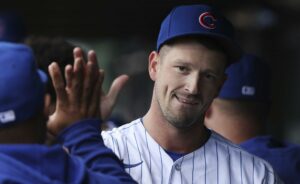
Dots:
pixel 177 167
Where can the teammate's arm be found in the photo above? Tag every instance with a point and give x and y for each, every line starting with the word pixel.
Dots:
pixel 77 100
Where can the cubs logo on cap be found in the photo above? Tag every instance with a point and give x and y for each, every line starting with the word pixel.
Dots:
pixel 199 20
pixel 207 20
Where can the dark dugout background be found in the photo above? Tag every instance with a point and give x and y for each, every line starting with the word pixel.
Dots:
pixel 124 32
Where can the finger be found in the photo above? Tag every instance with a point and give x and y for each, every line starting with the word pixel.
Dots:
pixel 116 87
pixel 77 53
pixel 94 108
pixel 68 76
pixel 77 82
pixel 101 73
pixel 92 57
pixel 91 76
pixel 58 83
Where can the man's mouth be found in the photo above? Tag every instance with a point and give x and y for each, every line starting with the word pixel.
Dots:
pixel 189 100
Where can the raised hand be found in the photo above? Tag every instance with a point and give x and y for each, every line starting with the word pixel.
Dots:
pixel 107 101
pixel 79 97
pixel 82 96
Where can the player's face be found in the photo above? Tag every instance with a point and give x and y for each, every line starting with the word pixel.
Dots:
pixel 188 76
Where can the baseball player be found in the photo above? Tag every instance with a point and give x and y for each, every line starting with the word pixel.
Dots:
pixel 170 143
pixel 23 157
pixel 240 113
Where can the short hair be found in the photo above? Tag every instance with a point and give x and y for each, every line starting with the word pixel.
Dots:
pixel 206 41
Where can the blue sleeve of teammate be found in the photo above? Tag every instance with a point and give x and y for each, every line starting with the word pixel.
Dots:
pixel 83 139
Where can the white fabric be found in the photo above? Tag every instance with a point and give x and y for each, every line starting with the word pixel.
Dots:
pixel 217 161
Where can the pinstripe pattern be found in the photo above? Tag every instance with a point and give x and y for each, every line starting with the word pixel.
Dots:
pixel 180 170
pixel 128 159
pixel 113 147
pixel 241 166
pixel 116 143
pixel 161 165
pixel 267 176
pixel 148 151
pixel 137 145
pixel 204 165
pixel 193 168
pixel 217 161
pixel 229 164
pixel 253 170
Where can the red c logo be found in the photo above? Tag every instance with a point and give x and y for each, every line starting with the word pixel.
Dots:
pixel 207 24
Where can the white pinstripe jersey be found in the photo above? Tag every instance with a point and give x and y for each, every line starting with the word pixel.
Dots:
pixel 217 161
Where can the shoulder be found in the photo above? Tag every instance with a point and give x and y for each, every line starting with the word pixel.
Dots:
pixel 270 143
pixel 124 130
pixel 124 138
pixel 231 148
pixel 239 156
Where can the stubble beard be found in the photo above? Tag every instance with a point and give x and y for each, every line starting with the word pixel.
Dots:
pixel 184 120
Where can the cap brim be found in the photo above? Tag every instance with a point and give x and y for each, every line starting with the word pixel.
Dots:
pixel 232 49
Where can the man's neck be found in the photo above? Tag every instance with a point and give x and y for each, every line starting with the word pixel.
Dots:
pixel 237 129
pixel 174 139
pixel 31 131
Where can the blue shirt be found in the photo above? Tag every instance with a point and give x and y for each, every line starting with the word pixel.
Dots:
pixel 284 157
pixel 89 160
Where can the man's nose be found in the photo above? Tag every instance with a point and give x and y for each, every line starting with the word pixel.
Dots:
pixel 192 84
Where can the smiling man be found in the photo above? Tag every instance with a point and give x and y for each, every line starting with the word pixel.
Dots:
pixel 170 144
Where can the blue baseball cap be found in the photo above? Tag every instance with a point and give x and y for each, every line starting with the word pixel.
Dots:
pixel 22 85
pixel 199 20
pixel 248 79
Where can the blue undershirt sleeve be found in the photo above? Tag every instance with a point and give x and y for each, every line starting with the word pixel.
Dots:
pixel 83 140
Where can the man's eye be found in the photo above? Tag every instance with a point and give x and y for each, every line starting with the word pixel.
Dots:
pixel 210 76
pixel 181 68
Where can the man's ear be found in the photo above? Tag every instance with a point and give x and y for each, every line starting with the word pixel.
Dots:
pixel 153 64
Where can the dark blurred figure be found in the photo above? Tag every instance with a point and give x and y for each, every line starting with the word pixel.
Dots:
pixel 47 50
pixel 12 27
pixel 58 49
pixel 23 115
pixel 240 113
